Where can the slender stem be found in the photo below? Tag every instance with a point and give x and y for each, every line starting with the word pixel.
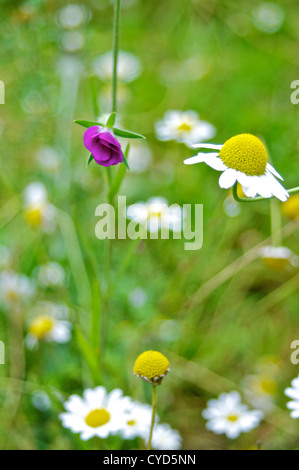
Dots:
pixel 115 53
pixel 275 215
pixel 154 407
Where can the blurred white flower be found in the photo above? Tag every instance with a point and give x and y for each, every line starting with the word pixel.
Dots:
pixel 50 275
pixel 48 324
pixel 140 157
pixel 231 207
pixel 138 297
pixel 227 415
pixel 97 413
pixel 293 392
pixel 128 67
pixel 166 438
pixel 190 69
pixel 5 258
pixel 48 159
pixel 72 15
pixel 184 127
pixel 138 421
pixel 72 41
pixel 41 401
pixel 260 391
pixel 156 215
pixel 15 288
pixel 268 17
pixel 279 257
pixel 38 212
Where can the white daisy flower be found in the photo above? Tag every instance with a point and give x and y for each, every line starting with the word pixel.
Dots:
pixel 243 158
pixel 38 212
pixel 72 41
pixel 156 215
pixel 279 257
pixel 268 17
pixel 227 415
pixel 50 275
pixel 137 297
pixel 15 288
pixel 166 438
pixel 128 67
pixel 184 127
pixel 49 324
pixel 138 421
pixel 48 159
pixel 293 392
pixel 260 391
pixel 72 16
pixel 97 414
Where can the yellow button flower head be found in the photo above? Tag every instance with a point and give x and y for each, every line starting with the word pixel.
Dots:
pixel 151 366
pixel 291 207
pixel 242 159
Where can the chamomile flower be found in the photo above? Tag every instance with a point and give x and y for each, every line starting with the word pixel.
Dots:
pixel 49 323
pixel 38 212
pixel 72 16
pixel 15 288
pixel 156 215
pixel 97 414
pixel 151 366
pixel 227 415
pixel 184 127
pixel 260 391
pixel 50 275
pixel 48 160
pixel 138 421
pixel 293 392
pixel 166 438
pixel 279 258
pixel 291 207
pixel 128 67
pixel 244 159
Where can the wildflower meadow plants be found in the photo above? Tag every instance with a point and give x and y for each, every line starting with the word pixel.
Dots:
pixel 100 184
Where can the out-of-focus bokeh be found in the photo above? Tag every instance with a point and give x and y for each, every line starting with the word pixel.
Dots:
pixel 224 316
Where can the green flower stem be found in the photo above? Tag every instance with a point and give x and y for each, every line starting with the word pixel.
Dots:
pixel 253 199
pixel 275 216
pixel 115 53
pixel 154 407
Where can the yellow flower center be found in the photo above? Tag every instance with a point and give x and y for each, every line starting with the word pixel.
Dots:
pixel 131 422
pixel 97 418
pixel 290 208
pixel 277 264
pixel 40 326
pixel 154 212
pixel 245 153
pixel 34 216
pixel 233 418
pixel 185 127
pixel 151 365
pixel 268 385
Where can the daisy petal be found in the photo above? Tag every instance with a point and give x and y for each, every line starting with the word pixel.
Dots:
pixel 273 171
pixel 228 178
pixel 207 146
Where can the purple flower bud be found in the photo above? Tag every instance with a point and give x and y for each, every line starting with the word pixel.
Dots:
pixel 103 146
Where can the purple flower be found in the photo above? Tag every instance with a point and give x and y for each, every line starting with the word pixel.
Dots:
pixel 103 146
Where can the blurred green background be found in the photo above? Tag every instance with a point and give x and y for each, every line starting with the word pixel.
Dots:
pixel 215 57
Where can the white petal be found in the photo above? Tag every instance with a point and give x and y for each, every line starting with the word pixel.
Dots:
pixel 207 146
pixel 227 179
pixel 273 171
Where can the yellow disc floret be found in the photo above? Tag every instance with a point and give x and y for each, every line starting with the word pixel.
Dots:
pixel 97 418
pixel 245 153
pixel 151 366
pixel 40 326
